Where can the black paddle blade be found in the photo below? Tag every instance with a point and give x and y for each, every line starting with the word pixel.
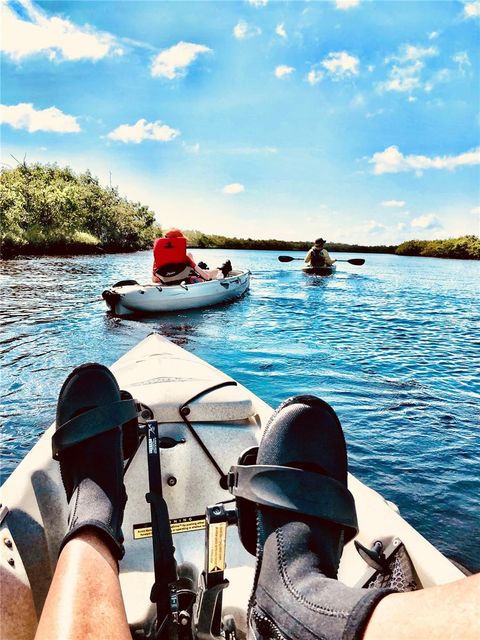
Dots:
pixel 357 261
pixel 285 258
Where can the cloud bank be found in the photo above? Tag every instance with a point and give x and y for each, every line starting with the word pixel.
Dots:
pixel 341 64
pixel 283 70
pixel 392 160
pixel 233 188
pixel 25 116
pixel 173 62
pixel 28 31
pixel 344 5
pixel 393 203
pixel 243 31
pixel 143 130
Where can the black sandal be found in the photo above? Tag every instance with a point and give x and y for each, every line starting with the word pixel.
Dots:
pixel 88 445
pixel 295 500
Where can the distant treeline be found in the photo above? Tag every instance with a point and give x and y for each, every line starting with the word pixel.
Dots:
pixel 207 241
pixel 467 247
pixel 45 209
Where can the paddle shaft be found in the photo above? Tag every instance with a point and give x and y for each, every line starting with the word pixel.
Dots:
pixel 356 261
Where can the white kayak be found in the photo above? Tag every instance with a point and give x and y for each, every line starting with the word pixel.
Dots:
pixel 129 297
pixel 228 420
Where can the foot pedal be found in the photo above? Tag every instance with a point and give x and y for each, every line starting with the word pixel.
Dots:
pixel 390 567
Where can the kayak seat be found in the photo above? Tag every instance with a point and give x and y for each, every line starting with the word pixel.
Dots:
pixel 227 404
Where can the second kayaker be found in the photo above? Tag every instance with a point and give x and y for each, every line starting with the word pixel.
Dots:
pixel 318 256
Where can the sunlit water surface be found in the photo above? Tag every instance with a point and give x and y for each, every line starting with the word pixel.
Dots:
pixel 393 346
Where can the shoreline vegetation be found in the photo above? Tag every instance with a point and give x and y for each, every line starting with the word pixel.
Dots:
pixel 48 210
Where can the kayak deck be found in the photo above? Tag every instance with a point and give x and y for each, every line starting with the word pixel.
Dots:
pixel 228 420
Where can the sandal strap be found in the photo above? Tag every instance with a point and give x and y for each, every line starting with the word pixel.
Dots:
pixel 307 492
pixel 92 423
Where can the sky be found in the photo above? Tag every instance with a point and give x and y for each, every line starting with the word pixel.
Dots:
pixel 354 120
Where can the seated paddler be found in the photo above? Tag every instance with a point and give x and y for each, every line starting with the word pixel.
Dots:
pixel 318 256
pixel 173 265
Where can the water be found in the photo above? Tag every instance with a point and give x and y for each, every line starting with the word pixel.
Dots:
pixel 392 345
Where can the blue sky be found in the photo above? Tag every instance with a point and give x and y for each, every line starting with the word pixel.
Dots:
pixel 356 120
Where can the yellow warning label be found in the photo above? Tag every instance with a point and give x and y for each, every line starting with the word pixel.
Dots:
pixel 142 531
pixel 177 525
pixel 191 523
pixel 216 547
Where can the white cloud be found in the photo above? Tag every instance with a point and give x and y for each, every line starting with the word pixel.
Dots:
pixel 406 70
pixel 258 3
pixel 346 4
pixel 373 227
pixel 433 35
pixel 143 130
pixel 192 148
pixel 314 76
pixel 428 222
pixel 242 30
pixel 463 61
pixel 283 70
pixel 403 78
pixel 280 30
pixel 33 32
pixel 233 188
pixel 393 203
pixel 471 9
pixel 173 62
pixel 475 210
pixel 341 64
pixel 391 160
pixel 24 116
pixel 410 52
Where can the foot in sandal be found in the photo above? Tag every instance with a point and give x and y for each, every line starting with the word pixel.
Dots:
pixel 304 516
pixel 88 445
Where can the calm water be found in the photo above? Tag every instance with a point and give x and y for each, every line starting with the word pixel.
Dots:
pixel 393 346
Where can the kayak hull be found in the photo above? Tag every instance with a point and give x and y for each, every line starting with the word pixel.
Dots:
pixel 229 420
pixel 319 271
pixel 131 299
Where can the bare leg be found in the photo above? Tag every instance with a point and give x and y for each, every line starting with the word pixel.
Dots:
pixel 447 612
pixel 84 601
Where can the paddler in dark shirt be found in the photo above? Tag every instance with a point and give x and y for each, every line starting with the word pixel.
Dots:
pixel 318 256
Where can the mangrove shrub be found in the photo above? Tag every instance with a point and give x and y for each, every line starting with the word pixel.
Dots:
pixel 46 208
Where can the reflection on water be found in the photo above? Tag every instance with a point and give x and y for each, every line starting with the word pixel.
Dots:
pixel 392 345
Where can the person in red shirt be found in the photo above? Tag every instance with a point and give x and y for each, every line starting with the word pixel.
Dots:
pixel 172 264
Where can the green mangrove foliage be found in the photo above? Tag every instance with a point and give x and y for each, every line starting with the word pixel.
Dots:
pixel 466 247
pixel 48 209
pixel 204 241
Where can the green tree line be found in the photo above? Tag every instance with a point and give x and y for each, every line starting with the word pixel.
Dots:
pixel 208 241
pixel 48 209
pixel 467 247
